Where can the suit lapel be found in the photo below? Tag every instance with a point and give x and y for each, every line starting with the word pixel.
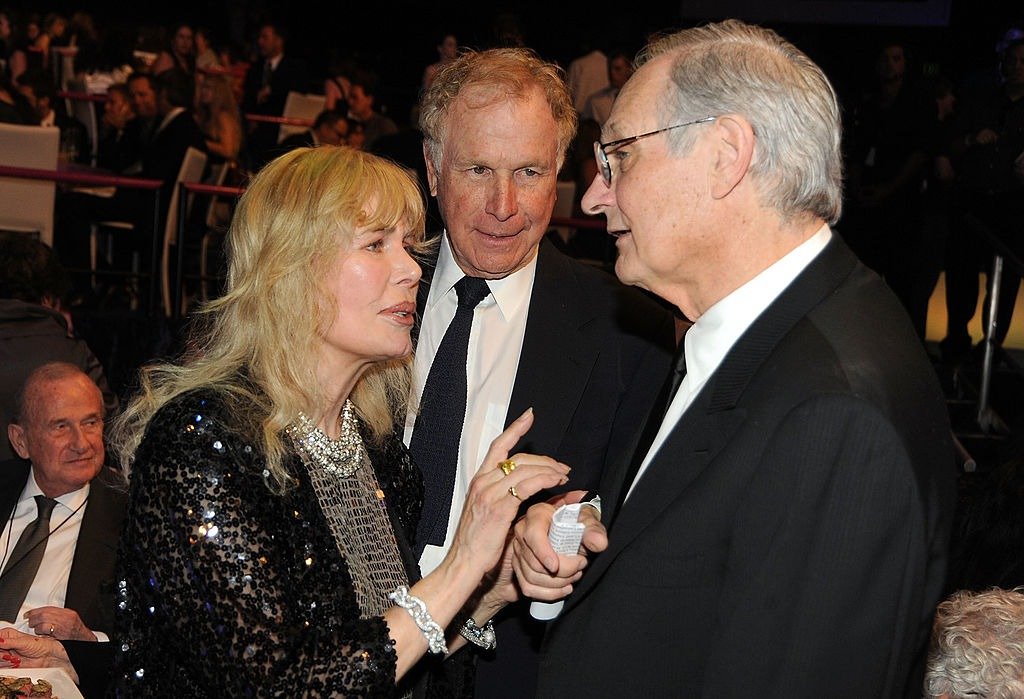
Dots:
pixel 688 449
pixel 713 417
pixel 95 550
pixel 13 476
pixel 428 265
pixel 555 361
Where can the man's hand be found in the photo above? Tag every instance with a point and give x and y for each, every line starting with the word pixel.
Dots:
pixel 63 624
pixel 542 573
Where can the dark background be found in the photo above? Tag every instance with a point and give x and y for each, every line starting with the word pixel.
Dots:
pixel 955 38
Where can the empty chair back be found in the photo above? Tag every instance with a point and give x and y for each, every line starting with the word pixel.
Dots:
pixel 299 105
pixel 27 205
pixel 192 167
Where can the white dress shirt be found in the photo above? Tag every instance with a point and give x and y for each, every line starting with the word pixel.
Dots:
pixel 709 339
pixel 495 342
pixel 49 589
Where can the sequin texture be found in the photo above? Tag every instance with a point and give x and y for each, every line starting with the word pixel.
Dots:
pixel 230 589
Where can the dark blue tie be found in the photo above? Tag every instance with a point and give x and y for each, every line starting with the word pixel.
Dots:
pixel 438 430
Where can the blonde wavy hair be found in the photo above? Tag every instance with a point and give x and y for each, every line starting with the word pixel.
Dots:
pixel 258 344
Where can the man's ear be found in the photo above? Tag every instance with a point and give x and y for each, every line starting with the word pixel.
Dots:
pixel 16 433
pixel 733 153
pixel 431 171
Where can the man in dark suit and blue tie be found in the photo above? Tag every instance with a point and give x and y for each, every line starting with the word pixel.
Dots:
pixel 510 323
pixel 782 530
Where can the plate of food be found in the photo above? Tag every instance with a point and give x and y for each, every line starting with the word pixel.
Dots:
pixel 37 682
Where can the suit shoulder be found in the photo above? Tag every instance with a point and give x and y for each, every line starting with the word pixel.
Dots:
pixel 603 287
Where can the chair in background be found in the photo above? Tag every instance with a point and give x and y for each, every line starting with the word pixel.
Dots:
pixel 26 206
pixel 299 105
pixel 192 167
pixel 191 170
pixel 212 225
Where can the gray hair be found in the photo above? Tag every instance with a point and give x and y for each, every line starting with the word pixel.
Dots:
pixel 737 68
pixel 977 646
pixel 507 73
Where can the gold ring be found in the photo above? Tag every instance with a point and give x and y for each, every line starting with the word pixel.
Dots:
pixel 514 493
pixel 507 466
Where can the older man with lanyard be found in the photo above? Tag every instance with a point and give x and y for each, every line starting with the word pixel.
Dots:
pixel 62 514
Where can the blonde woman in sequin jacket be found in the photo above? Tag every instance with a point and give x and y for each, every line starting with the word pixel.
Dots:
pixel 262 540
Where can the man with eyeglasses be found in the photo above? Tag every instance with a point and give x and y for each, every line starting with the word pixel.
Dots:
pixel 782 529
pixel 62 514
pixel 587 353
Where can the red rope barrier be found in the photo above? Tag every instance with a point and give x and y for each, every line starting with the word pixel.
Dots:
pixel 286 121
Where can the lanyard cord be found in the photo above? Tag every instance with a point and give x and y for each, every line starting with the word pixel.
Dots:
pixel 13 564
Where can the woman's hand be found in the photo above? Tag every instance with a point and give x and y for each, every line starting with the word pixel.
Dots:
pixel 494 499
pixel 479 542
pixel 23 650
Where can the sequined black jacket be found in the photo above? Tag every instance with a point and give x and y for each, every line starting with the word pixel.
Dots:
pixel 228 588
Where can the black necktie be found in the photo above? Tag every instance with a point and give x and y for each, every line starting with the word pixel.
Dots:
pixel 678 374
pixel 654 420
pixel 268 72
pixel 438 430
pixel 24 562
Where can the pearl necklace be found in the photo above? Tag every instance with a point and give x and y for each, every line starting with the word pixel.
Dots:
pixel 340 457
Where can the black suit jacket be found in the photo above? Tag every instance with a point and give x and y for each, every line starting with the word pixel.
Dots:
pixel 290 74
pixel 789 538
pixel 296 140
pixel 91 580
pixel 594 355
pixel 162 156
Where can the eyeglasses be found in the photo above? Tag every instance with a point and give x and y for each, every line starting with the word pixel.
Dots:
pixel 601 149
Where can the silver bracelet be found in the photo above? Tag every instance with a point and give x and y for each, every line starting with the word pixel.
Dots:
pixel 483 637
pixel 418 611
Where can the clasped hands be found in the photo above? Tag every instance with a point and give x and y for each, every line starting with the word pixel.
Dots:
pixel 494 498
pixel 541 573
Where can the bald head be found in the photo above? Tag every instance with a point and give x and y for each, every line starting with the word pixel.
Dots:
pixel 58 426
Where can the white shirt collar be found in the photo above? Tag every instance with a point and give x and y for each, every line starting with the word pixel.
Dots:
pixel 709 339
pixel 72 501
pixel 169 118
pixel 716 331
pixel 509 293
